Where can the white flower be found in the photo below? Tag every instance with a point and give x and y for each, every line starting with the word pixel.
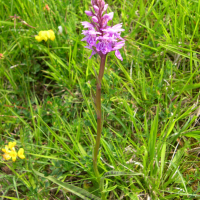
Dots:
pixel 60 29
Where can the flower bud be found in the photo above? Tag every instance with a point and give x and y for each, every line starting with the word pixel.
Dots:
pixel 102 3
pixel 88 13
pixel 105 7
pixel 96 8
pixel 93 2
pixel 109 16
pixel 95 19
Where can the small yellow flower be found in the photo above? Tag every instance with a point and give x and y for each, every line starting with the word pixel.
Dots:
pixel 6 150
pixel 10 152
pixel 38 38
pixel 45 35
pixel 41 36
pixel 52 35
pixel 21 153
pixel 11 145
pixel 13 155
pixel 6 156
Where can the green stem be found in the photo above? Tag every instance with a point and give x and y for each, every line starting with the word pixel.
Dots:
pixel 98 110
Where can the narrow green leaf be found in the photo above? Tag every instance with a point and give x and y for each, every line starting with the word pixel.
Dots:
pixel 6 22
pixel 110 188
pixel 162 158
pixel 191 87
pixel 71 188
pixel 193 134
pixel 12 198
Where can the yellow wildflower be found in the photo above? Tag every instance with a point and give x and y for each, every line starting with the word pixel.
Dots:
pixel 6 156
pixel 6 150
pixel 52 35
pixel 10 152
pixel 11 145
pixel 21 153
pixel 41 36
pixel 38 38
pixel 13 155
pixel 45 35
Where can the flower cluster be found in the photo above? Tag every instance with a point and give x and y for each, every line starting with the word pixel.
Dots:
pixel 45 35
pixel 100 37
pixel 10 152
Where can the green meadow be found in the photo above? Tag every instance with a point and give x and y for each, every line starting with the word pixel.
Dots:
pixel 149 147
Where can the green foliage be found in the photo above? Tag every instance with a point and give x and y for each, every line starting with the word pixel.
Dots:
pixel 150 102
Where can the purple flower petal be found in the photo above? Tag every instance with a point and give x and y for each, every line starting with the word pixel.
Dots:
pixel 87 25
pixel 90 32
pixel 88 47
pixel 115 29
pixel 95 19
pixel 118 55
pixel 88 13
pixel 85 38
pixel 107 38
pixel 91 40
pixel 118 45
pixel 102 3
pixel 117 26
pixel 105 8
pixel 93 52
pixel 96 8
pixel 108 16
pixel 93 2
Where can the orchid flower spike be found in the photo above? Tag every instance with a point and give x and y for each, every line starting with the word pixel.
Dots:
pixel 100 37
